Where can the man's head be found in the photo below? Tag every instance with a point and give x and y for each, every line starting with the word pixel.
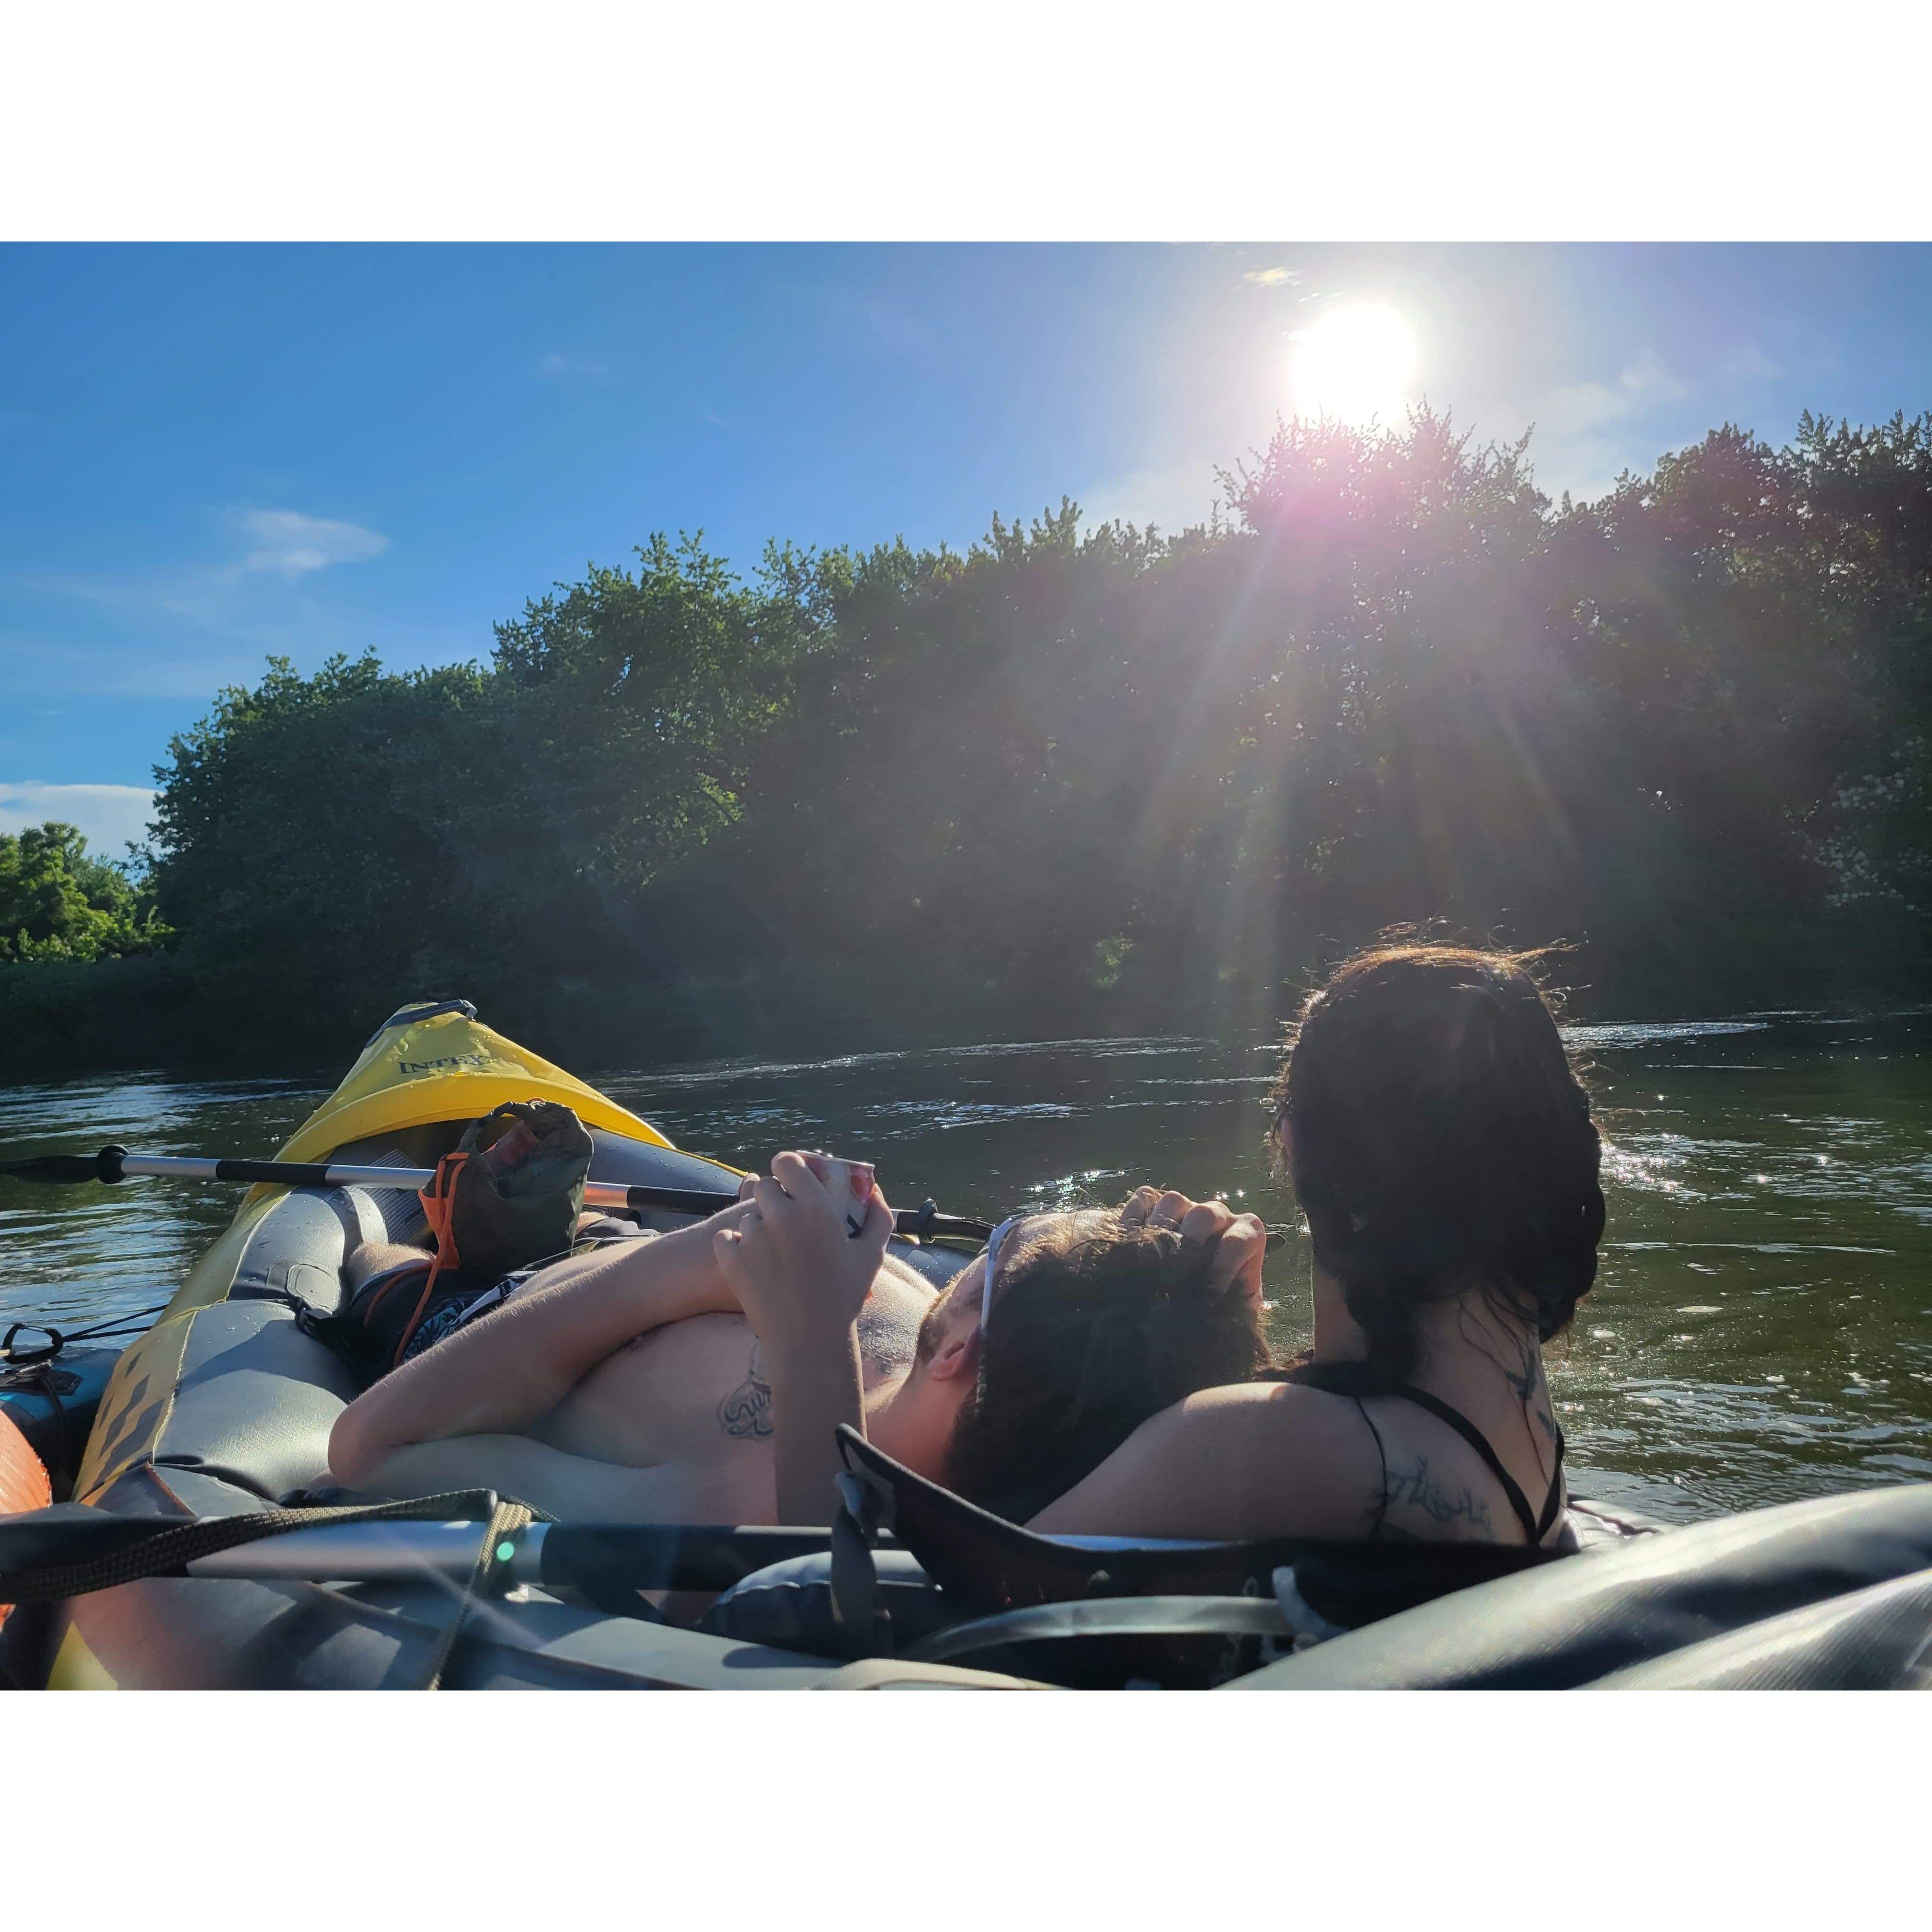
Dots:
pixel 1090 1329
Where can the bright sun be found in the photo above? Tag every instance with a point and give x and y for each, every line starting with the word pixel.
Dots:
pixel 1354 365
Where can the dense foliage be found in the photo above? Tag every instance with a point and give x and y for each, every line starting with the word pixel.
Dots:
pixel 58 903
pixel 1070 782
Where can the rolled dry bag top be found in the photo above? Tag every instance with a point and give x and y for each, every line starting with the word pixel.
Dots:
pixel 517 1197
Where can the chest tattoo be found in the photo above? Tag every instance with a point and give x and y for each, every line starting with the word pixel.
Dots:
pixel 747 1410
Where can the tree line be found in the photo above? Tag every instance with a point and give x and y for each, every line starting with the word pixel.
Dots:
pixel 1081 780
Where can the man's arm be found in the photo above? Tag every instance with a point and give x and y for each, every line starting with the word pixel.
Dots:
pixel 516 1364
pixel 801 1282
pixel 814 1388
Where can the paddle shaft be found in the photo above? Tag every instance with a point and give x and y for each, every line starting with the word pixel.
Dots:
pixel 386 1546
pixel 643 1556
pixel 116 1163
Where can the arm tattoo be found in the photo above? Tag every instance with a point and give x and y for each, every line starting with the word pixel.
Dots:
pixel 747 1410
pixel 1416 1487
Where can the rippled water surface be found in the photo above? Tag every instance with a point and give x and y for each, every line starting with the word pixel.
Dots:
pixel 1762 1328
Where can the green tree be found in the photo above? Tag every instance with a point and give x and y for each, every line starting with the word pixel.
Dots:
pixel 56 902
pixel 332 845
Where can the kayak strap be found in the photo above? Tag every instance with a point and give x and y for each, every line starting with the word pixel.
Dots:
pixel 506 1520
pixel 865 1508
pixel 169 1550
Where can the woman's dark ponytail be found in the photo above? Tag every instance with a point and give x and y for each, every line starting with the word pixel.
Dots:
pixel 1438 1140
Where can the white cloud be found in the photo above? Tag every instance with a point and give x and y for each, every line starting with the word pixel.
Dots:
pixel 1586 433
pixel 1271 278
pixel 1582 407
pixel 108 815
pixel 294 545
pixel 1172 498
pixel 555 363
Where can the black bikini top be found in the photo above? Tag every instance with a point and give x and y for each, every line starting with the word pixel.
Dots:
pixel 1345 1379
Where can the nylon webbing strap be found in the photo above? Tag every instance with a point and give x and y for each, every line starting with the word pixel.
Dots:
pixel 170 1549
pixel 865 1508
pixel 506 1519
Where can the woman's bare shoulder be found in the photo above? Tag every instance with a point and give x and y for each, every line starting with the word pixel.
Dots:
pixel 1252 1460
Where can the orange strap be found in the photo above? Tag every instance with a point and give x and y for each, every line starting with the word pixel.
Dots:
pixel 439 1203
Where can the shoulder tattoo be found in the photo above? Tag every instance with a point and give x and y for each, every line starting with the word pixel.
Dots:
pixel 1416 1487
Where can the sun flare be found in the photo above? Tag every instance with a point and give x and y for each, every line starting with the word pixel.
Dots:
pixel 1354 365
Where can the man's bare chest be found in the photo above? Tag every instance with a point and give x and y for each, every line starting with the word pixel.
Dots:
pixel 691 1393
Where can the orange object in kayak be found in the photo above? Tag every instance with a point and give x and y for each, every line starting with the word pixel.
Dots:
pixel 23 1480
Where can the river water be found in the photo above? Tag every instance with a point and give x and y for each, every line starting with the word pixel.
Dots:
pixel 1761 1330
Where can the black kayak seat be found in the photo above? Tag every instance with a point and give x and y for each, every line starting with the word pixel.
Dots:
pixel 1835 1593
pixel 952 1564
pixel 985 1565
pixel 959 1581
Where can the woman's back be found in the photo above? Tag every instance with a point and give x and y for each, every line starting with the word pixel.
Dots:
pixel 1442 1152
pixel 1295 1457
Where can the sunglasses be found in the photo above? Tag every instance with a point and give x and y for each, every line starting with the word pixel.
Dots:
pixel 994 1242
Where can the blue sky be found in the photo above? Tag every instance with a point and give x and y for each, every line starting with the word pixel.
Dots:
pixel 207 454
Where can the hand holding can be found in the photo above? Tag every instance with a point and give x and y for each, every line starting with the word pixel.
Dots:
pixel 850 1183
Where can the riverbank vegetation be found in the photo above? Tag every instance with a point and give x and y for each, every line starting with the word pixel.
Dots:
pixel 1074 783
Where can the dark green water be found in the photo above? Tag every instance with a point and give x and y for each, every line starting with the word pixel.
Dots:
pixel 1762 1328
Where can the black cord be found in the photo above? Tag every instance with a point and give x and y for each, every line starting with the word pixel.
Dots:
pixel 61 1338
pixel 116 1324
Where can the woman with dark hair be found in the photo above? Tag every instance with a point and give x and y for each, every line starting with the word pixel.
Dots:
pixel 1442 1151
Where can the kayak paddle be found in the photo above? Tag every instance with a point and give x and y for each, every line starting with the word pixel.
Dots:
pixel 115 1163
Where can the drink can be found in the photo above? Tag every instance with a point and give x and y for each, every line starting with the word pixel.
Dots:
pixel 850 1183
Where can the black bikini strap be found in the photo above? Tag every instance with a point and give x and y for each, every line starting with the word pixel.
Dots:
pixel 1382 1511
pixel 1534 1527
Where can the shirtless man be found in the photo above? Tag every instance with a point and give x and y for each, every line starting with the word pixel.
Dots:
pixel 625 1385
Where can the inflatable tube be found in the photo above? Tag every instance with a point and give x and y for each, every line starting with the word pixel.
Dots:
pixel 1835 1593
pixel 53 1403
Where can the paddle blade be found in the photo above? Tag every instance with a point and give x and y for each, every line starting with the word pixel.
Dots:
pixel 56 1167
